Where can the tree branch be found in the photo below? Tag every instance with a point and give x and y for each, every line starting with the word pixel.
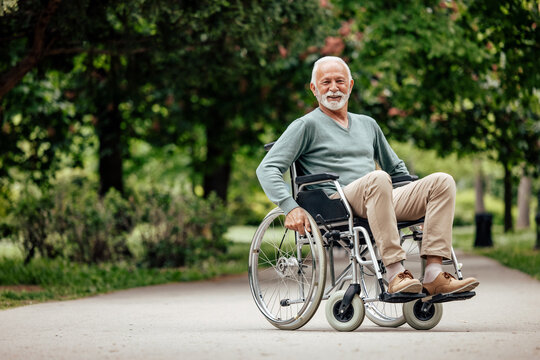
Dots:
pixel 10 78
pixel 80 50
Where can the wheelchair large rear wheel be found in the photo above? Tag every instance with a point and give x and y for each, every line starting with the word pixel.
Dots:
pixel 287 272
pixel 379 312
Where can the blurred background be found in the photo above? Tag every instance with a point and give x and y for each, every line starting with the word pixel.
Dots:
pixel 130 130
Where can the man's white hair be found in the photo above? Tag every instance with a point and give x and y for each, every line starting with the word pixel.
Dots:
pixel 324 60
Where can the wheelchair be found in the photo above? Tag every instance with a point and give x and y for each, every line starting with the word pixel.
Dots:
pixel 288 271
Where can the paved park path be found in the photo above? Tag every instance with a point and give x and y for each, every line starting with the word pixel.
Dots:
pixel 219 320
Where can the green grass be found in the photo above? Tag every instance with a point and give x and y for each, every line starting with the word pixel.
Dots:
pixel 515 250
pixel 64 280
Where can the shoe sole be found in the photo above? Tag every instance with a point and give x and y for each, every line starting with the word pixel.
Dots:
pixel 464 288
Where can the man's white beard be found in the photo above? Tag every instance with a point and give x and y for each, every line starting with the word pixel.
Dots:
pixel 333 105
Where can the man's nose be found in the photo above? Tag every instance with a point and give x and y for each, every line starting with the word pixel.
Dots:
pixel 333 86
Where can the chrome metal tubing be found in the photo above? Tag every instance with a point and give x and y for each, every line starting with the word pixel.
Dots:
pixel 344 276
pixel 373 260
pixel 456 265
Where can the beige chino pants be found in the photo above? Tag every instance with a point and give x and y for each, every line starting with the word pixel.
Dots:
pixel 373 197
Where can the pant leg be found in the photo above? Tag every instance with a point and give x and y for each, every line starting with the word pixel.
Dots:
pixel 371 197
pixel 433 197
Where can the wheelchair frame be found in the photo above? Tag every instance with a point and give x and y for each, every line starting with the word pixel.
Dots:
pixel 419 311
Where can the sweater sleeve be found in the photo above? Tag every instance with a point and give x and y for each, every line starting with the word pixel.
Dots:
pixel 278 160
pixel 386 157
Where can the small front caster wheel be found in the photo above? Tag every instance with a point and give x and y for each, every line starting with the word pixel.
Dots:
pixel 350 319
pixel 422 315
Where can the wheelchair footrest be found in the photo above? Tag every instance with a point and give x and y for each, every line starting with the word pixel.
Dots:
pixel 400 297
pixel 440 298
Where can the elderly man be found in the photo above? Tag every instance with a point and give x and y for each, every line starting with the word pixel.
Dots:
pixel 330 139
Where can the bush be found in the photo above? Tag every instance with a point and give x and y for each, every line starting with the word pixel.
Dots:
pixel 72 222
pixel 179 230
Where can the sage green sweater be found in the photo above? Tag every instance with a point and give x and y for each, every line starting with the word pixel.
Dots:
pixel 320 144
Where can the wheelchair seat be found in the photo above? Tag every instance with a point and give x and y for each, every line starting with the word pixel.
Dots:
pixel 332 212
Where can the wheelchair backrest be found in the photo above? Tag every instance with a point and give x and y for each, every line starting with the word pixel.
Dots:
pixel 315 201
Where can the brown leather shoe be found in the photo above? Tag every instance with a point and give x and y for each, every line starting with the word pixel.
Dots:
pixel 445 283
pixel 405 283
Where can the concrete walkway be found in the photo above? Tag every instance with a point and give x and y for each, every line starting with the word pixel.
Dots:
pixel 219 320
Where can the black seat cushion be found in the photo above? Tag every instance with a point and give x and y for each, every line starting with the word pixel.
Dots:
pixel 316 202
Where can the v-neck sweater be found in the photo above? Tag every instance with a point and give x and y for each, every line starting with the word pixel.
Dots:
pixel 319 144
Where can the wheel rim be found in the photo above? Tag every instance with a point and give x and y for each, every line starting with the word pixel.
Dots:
pixel 344 317
pixel 423 311
pixel 284 273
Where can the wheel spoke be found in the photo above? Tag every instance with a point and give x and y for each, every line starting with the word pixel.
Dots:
pixel 282 270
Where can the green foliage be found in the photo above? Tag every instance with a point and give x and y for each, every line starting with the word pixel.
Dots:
pixel 247 202
pixel 71 221
pixel 118 63
pixel 465 207
pixel 452 76
pixel 7 6
pixel 514 249
pixel 59 279
pixel 180 230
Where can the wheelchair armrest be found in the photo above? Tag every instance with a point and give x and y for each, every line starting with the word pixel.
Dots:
pixel 403 180
pixel 304 179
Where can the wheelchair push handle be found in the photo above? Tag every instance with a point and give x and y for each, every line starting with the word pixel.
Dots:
pixel 268 146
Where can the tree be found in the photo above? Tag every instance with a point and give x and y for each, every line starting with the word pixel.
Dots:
pixel 212 85
pixel 511 107
pixel 248 54
pixel 524 199
pixel 450 75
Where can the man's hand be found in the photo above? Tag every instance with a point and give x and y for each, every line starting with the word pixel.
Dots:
pixel 297 220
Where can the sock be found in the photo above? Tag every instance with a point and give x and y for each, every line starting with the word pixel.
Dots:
pixel 432 271
pixel 393 269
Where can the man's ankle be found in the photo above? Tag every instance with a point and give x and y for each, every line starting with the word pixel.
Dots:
pixel 393 269
pixel 432 271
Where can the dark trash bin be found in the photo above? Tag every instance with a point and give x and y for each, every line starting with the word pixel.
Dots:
pixel 483 230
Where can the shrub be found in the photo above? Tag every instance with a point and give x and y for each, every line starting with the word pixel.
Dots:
pixel 72 222
pixel 32 221
pixel 179 230
pixel 94 229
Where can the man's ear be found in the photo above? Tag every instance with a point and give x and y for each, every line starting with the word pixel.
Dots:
pixel 313 89
pixel 352 84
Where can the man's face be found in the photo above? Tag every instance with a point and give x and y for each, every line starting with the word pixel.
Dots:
pixel 332 88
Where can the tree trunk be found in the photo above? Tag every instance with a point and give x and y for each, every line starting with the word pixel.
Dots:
pixel 537 246
pixel 109 131
pixel 479 186
pixel 217 170
pixel 508 226
pixel 110 151
pixel 524 202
